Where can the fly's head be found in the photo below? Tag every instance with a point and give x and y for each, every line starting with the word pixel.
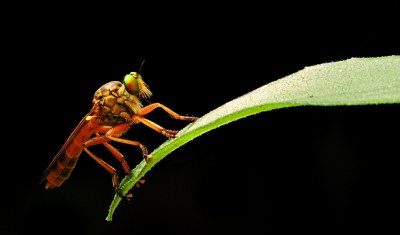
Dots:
pixel 136 86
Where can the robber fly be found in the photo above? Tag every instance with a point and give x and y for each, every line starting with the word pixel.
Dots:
pixel 116 107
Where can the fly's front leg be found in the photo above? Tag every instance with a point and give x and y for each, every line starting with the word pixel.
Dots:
pixel 151 107
pixel 168 133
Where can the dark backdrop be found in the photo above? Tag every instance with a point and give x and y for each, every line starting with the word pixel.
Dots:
pixel 331 170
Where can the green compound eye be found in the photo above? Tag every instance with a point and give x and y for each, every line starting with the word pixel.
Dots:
pixel 131 83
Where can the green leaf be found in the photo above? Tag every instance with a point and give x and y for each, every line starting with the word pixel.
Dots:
pixel 356 81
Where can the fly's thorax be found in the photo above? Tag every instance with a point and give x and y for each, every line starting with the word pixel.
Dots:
pixel 116 105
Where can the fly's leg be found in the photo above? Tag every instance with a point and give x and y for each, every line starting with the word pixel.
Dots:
pixel 151 107
pixel 113 134
pixel 166 132
pixel 111 170
pixel 118 155
pixel 143 148
pixel 110 132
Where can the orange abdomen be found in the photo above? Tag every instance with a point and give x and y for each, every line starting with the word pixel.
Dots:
pixel 65 163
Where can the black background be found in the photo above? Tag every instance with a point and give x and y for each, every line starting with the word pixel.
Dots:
pixel 331 170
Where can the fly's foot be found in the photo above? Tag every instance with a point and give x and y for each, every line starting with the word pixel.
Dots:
pixel 169 133
pixel 140 183
pixel 185 118
pixel 188 118
pixel 128 196
pixel 147 158
pixel 119 193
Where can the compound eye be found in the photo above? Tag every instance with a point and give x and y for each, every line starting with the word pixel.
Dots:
pixel 131 83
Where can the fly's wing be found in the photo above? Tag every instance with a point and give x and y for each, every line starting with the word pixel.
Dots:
pixel 66 144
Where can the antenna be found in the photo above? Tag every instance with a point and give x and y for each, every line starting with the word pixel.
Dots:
pixel 140 68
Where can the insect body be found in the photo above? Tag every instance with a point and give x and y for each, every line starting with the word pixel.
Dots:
pixel 116 107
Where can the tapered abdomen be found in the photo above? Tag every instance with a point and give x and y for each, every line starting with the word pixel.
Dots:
pixel 64 163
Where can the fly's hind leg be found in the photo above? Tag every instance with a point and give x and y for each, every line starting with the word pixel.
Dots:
pixel 110 132
pixel 118 155
pixel 112 171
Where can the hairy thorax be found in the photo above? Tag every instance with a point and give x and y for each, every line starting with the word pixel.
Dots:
pixel 115 104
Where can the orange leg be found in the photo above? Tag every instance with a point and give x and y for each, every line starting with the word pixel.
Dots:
pixel 151 107
pixel 118 155
pixel 112 171
pixel 113 134
pixel 134 143
pixel 168 133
